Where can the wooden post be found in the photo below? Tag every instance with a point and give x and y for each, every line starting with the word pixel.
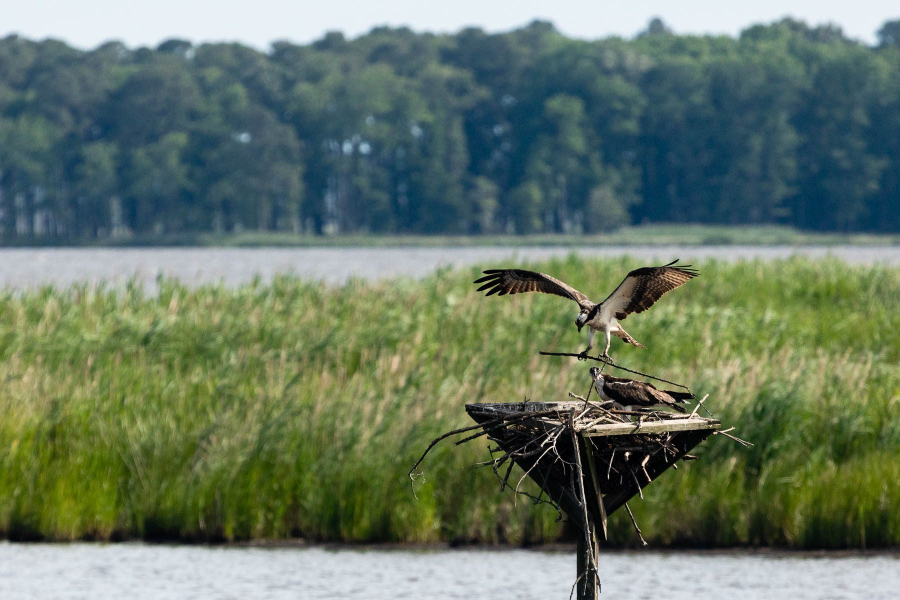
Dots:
pixel 588 586
pixel 595 480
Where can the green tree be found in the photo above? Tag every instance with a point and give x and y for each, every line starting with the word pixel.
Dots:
pixel 156 100
pixel 254 175
pixel 839 174
pixel 27 146
pixel 399 132
pixel 524 206
pixel 157 184
pixel 96 185
pixel 562 161
pixel 484 203
pixel 606 211
pixel 889 34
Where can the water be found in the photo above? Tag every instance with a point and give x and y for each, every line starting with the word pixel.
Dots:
pixel 154 572
pixel 62 266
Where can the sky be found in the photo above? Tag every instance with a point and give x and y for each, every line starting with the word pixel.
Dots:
pixel 88 23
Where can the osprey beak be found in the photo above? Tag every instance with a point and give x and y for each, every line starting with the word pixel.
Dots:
pixel 579 325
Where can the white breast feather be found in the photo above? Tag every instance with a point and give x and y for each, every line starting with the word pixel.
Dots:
pixel 618 301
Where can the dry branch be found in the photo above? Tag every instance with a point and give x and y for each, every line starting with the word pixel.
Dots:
pixel 609 361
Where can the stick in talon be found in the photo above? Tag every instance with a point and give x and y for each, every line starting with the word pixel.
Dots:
pixel 611 363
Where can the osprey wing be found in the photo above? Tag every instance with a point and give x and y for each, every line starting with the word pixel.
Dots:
pixel 643 287
pixel 516 281
pixel 628 392
pixel 638 393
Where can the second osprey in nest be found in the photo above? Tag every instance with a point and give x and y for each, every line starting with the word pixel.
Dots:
pixel 628 394
pixel 640 289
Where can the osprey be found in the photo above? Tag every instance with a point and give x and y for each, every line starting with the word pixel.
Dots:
pixel 628 393
pixel 639 290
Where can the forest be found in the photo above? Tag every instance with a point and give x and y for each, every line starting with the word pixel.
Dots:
pixel 398 132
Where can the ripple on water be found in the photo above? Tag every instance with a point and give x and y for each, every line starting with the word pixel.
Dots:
pixel 155 572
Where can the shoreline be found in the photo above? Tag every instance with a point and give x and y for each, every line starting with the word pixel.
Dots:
pixel 640 235
pixel 551 548
pixel 30 268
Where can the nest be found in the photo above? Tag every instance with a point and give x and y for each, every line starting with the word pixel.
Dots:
pixel 587 458
pixel 620 451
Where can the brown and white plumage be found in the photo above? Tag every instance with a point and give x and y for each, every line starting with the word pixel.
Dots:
pixel 639 290
pixel 642 287
pixel 629 394
pixel 516 281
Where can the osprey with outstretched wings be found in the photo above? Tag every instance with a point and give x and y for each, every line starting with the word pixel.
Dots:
pixel 639 290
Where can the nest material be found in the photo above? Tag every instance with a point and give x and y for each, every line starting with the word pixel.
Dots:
pixel 587 458
pixel 618 452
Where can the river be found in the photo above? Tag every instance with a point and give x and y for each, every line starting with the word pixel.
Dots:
pixel 32 267
pixel 162 572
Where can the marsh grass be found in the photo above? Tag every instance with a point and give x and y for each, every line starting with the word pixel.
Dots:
pixel 296 408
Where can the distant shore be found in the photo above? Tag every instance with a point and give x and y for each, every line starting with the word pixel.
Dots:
pixel 22 268
pixel 644 235
pixel 549 547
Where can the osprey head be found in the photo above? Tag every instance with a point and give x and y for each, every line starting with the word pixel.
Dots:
pixel 582 319
pixel 596 374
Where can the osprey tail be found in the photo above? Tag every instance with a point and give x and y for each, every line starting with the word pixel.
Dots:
pixel 671 399
pixel 681 396
pixel 626 337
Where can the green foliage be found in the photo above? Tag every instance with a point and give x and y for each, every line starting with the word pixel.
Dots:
pixel 889 34
pixel 606 211
pixel 402 133
pixel 296 409
pixel 526 203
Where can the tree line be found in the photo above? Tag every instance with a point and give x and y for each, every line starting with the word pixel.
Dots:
pixel 469 133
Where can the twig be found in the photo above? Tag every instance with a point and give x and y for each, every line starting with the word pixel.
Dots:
pixel 743 443
pixel 487 427
pixel 574 585
pixel 502 422
pixel 636 528
pixel 435 442
pixel 699 404
pixel 505 480
pixel 636 482
pixel 554 436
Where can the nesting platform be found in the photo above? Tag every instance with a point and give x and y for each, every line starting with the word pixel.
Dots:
pixel 624 456
pixel 587 459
